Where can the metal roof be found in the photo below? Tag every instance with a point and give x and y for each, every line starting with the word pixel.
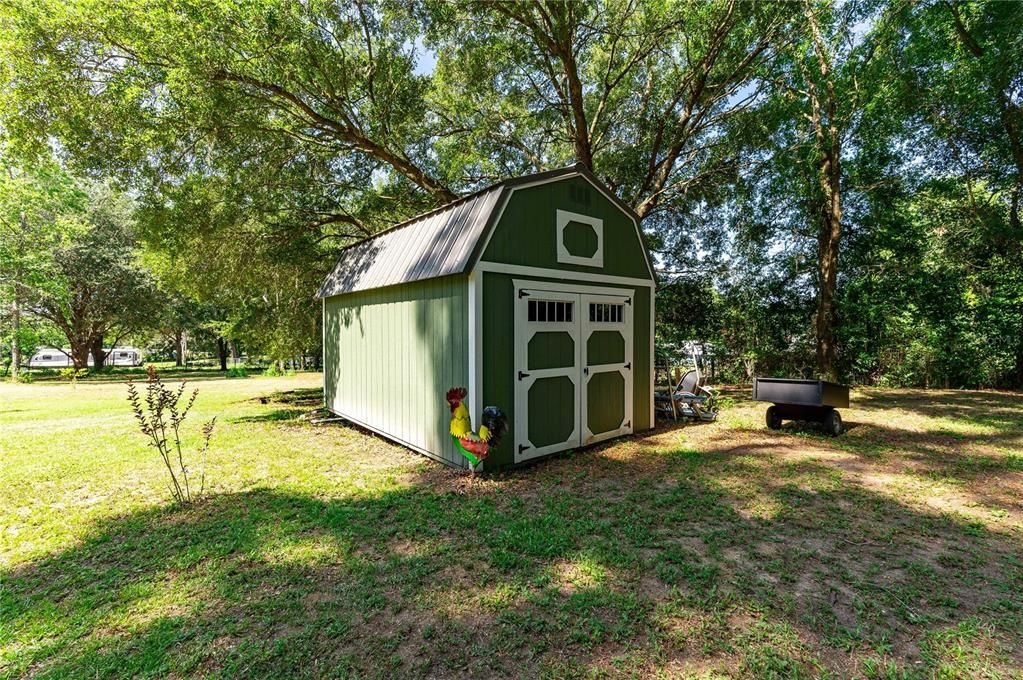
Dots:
pixel 435 244
pixel 438 243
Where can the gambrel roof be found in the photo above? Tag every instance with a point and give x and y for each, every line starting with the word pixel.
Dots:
pixel 442 242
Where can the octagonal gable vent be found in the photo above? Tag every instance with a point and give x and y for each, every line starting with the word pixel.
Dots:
pixel 580 239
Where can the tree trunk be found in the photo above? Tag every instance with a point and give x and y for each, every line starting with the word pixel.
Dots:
pixel 823 116
pixel 15 332
pixel 80 353
pixel 827 272
pixel 98 355
pixel 222 353
pixel 16 311
pixel 179 350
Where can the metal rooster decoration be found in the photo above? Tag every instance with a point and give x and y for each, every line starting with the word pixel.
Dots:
pixel 494 424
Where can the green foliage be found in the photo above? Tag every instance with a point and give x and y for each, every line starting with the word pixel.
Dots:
pixel 259 139
pixel 72 374
pixel 237 372
pixel 277 369
pixel 159 416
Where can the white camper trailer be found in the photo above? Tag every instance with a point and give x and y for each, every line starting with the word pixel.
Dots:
pixel 48 357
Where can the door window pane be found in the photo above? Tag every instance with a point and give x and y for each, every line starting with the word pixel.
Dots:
pixel 549 311
pixel 606 313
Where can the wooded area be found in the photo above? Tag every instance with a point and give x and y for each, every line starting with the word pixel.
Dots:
pixel 828 188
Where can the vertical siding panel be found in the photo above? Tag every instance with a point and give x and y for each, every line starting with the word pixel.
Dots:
pixel 355 365
pixel 384 355
pixel 406 329
pixel 343 356
pixel 407 348
pixel 402 348
pixel 423 364
pixel 435 319
pixel 373 378
pixel 451 342
pixel 440 347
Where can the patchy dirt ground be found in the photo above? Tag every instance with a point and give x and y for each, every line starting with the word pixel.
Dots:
pixel 710 550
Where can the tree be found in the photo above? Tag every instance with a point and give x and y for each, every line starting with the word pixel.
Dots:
pixel 638 92
pixel 820 90
pixel 332 98
pixel 961 65
pixel 33 206
pixel 823 104
pixel 94 287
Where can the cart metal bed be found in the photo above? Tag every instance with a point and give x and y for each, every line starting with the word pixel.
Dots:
pixel 793 399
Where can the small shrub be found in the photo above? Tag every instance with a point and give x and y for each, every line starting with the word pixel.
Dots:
pixel 237 372
pixel 26 377
pixel 73 374
pixel 274 370
pixel 160 417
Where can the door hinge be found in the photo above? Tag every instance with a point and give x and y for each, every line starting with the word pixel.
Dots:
pixel 586 370
pixel 629 365
pixel 628 301
pixel 628 424
pixel 523 375
pixel 523 447
pixel 523 294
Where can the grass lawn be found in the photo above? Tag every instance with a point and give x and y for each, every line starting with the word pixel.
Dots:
pixel 713 550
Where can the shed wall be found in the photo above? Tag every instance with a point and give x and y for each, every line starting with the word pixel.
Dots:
pixel 390 355
pixel 499 355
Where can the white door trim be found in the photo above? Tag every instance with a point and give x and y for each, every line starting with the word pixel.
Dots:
pixel 475 372
pixel 524 331
pixel 626 368
pixel 579 329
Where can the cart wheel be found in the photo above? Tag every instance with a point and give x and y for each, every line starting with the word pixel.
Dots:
pixel 833 424
pixel 773 419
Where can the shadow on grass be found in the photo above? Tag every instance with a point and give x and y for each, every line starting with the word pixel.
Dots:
pixel 281 415
pixel 986 407
pixel 304 397
pixel 774 569
pixel 299 402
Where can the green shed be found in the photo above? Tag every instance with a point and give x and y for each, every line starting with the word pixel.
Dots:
pixel 537 294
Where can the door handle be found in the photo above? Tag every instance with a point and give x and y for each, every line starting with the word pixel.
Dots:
pixel 586 370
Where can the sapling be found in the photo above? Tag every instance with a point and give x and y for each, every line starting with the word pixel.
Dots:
pixel 160 416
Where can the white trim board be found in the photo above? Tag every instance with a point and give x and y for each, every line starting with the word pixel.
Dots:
pixel 323 346
pixel 653 359
pixel 557 287
pixel 524 270
pixel 475 371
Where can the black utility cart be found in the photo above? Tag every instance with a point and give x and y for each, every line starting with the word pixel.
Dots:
pixel 814 400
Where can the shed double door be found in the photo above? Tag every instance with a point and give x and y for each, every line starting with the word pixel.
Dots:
pixel 573 369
